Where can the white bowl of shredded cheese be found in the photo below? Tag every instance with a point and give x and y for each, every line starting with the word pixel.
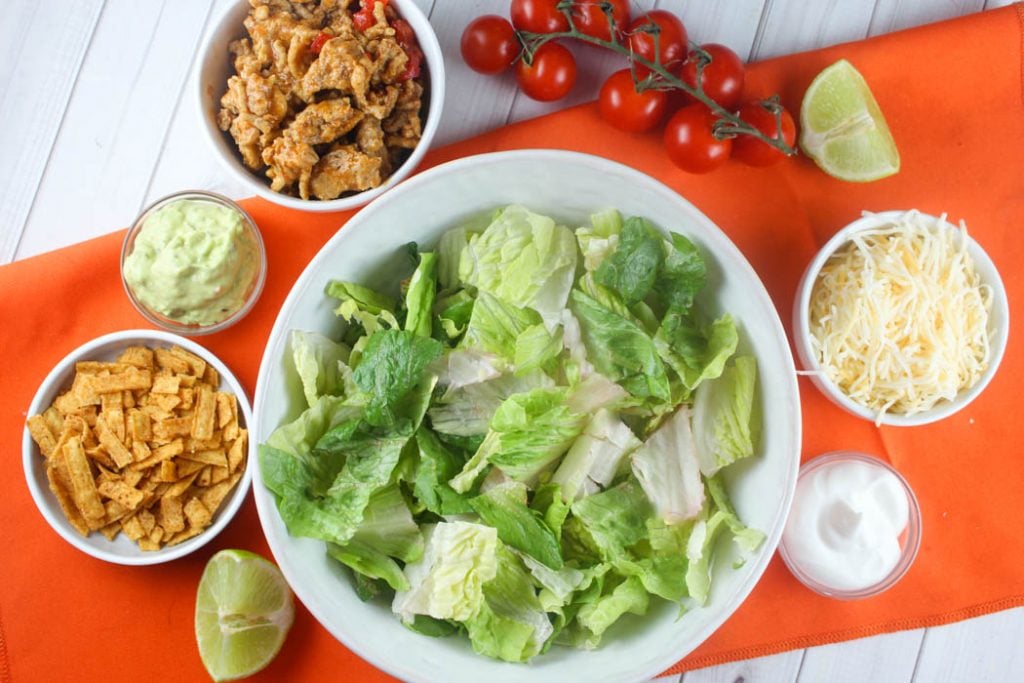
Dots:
pixel 901 318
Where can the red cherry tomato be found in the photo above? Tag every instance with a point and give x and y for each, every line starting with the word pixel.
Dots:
pixel 318 42
pixel 722 77
pixel 591 19
pixel 552 74
pixel 538 16
pixel 691 143
pixel 489 44
pixel 626 109
pixel 672 46
pixel 754 152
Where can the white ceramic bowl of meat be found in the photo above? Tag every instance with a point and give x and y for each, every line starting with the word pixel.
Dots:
pixel 568 187
pixel 216 65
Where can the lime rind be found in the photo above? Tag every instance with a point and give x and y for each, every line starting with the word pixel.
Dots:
pixel 843 128
pixel 244 610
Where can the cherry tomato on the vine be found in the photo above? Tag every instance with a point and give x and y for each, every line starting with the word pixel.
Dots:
pixel 591 19
pixel 754 152
pixel 690 140
pixel 672 46
pixel 722 77
pixel 625 108
pixel 551 75
pixel 489 44
pixel 538 16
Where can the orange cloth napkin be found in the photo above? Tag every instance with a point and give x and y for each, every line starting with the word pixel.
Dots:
pixel 954 97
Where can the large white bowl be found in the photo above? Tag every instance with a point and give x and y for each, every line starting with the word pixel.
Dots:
pixel 123 550
pixel 215 66
pixel 569 187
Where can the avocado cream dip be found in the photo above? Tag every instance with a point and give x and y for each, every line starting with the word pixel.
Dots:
pixel 194 261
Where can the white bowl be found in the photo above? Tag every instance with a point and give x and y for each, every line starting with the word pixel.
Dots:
pixel 123 550
pixel 998 322
pixel 568 186
pixel 215 66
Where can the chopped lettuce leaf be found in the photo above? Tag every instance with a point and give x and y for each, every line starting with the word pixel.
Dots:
pixel 468 410
pixel 599 239
pixel 447 582
pixel 594 618
pixel 435 467
pixel 632 268
pixel 523 258
pixel 504 508
pixel 357 297
pixel 615 519
pixel 594 458
pixel 449 252
pixel 619 349
pixel 419 298
pixel 683 274
pixel 666 467
pixel 495 325
pixel 528 432
pixel 696 352
pixel 392 365
pixel 318 362
pixel 536 347
pixel 722 412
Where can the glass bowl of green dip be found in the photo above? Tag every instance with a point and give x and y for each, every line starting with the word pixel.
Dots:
pixel 193 263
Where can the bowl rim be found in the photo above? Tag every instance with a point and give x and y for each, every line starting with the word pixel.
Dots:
pixel 43 497
pixel 433 57
pixel 802 333
pixel 173 326
pixel 264 498
pixel 909 551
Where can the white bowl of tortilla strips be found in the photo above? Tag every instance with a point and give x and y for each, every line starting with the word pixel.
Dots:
pixel 136 447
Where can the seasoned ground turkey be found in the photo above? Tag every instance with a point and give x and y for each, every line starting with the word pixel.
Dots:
pixel 319 106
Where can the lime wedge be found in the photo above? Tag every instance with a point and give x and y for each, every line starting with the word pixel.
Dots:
pixel 843 129
pixel 244 609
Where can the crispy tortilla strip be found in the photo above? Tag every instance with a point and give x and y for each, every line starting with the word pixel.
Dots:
pixel 132 527
pixel 131 477
pixel 54 420
pixel 188 397
pixel 156 413
pixel 183 536
pixel 197 513
pixel 218 474
pixel 188 381
pixel 111 401
pixel 115 447
pixel 99 455
pixel 211 444
pixel 178 488
pixel 166 383
pixel 170 429
pixel 83 487
pixel 187 467
pixel 115 420
pixel 95 367
pixel 39 429
pixel 227 409
pixel 111 530
pixel 165 402
pixel 174 363
pixel 171 515
pixel 147 544
pixel 158 455
pixel 236 454
pixel 127 399
pixel 131 379
pixel 196 364
pixel 73 426
pixel 215 495
pixel 166 472
pixel 140 426
pixel 88 414
pixel 147 520
pixel 60 484
pixel 206 409
pixel 125 495
pixel 211 376
pixel 213 457
pixel 115 511
pixel 205 476
pixel 139 356
pixel 140 450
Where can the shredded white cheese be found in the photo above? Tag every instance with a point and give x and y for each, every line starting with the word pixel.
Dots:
pixel 899 316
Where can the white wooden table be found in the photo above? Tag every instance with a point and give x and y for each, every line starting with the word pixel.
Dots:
pixel 97 120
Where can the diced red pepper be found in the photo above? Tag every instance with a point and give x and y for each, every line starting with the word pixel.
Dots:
pixel 364 19
pixel 406 38
pixel 318 42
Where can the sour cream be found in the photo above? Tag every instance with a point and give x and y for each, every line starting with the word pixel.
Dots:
pixel 845 526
